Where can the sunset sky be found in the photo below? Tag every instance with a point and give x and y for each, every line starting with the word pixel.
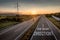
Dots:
pixel 36 6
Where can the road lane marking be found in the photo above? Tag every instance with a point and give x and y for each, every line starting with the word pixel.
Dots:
pixel 52 31
pixel 42 33
pixel 42 28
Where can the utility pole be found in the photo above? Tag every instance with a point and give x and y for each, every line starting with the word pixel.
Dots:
pixel 17 11
pixel 17 6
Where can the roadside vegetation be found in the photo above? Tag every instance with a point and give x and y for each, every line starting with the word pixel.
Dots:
pixel 9 20
pixel 7 24
pixel 54 21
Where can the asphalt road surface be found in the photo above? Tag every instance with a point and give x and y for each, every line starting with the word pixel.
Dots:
pixel 16 31
pixel 45 30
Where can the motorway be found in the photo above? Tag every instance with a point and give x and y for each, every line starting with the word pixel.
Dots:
pixel 45 30
pixel 16 31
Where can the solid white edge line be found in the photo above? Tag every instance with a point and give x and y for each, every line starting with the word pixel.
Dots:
pixel 51 31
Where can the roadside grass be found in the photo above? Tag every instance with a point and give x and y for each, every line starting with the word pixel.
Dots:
pixel 7 21
pixel 27 35
pixel 7 24
pixel 54 21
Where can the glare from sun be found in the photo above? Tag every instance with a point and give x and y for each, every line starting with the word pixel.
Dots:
pixel 34 12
